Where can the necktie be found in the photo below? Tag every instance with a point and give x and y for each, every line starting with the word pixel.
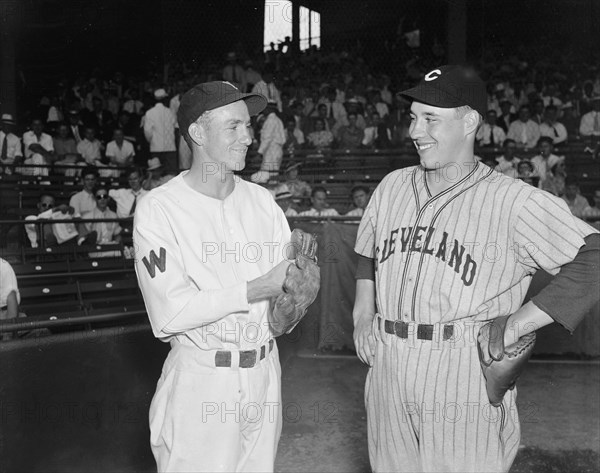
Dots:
pixel 492 142
pixel 524 134
pixel 4 149
pixel 132 210
pixel 555 131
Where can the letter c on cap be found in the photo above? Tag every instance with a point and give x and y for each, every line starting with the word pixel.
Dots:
pixel 433 75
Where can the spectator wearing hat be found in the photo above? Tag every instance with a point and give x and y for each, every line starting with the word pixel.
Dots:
pixel 543 162
pixel 524 131
pixel 10 144
pixel 360 199
pixel 577 203
pixel 490 135
pixel 39 149
pixel 300 189
pixel 157 175
pixel 283 197
pixel 551 127
pixel 589 126
pixel 319 205
pixel 159 130
pixel 272 139
pixel 508 162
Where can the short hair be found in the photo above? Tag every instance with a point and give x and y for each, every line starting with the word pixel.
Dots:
pixel 318 189
pixel 551 108
pixel 460 112
pixel 203 120
pixel 90 170
pixel 360 187
pixel 508 141
pixel 545 139
pixel 134 169
pixel 46 194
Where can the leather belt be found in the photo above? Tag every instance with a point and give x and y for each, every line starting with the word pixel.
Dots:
pixel 424 331
pixel 248 358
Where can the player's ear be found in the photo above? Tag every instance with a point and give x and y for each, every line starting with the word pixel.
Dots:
pixel 197 133
pixel 471 120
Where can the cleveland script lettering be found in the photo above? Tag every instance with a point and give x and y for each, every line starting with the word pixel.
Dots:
pixel 419 240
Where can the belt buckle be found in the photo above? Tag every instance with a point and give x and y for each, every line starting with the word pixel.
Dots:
pixel 401 329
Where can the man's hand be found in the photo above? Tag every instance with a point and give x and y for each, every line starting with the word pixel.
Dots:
pixel 364 340
pixel 268 285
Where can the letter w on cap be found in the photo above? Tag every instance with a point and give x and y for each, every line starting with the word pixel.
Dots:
pixel 160 262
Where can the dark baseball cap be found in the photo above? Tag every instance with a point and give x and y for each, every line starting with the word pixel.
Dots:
pixel 212 95
pixel 450 87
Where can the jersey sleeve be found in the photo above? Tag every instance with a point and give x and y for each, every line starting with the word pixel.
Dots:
pixel 547 235
pixel 174 304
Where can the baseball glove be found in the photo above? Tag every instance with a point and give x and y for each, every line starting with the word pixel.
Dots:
pixel 301 284
pixel 502 366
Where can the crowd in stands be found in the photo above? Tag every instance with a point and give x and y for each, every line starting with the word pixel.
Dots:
pixel 125 126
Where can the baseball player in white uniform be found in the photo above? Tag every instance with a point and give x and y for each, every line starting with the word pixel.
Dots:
pixel 443 248
pixel 209 259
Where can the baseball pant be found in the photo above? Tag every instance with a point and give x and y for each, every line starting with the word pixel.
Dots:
pixel 209 419
pixel 428 410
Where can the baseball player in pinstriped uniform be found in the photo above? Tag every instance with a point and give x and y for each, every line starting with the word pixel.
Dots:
pixel 444 248
pixel 208 259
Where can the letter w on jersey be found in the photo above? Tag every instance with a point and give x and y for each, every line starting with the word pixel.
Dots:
pixel 160 262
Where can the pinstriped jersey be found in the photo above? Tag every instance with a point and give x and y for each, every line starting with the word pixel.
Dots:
pixel 468 252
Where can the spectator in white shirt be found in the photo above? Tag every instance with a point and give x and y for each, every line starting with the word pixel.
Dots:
pixel 120 152
pixel 551 127
pixel 133 106
pixel 320 208
pixel 159 130
pixel 360 199
pixel 83 201
pixel 9 293
pixel 508 163
pixel 10 144
pixel 106 232
pixel 39 149
pixel 90 148
pixel 589 126
pixel 272 139
pixel 267 87
pixel 524 131
pixel 127 198
pixel 490 134
pixel 543 162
